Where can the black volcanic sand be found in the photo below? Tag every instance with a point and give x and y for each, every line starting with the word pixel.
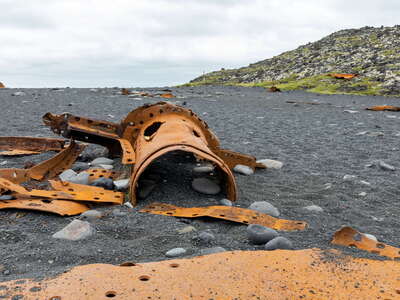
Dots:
pixel 317 144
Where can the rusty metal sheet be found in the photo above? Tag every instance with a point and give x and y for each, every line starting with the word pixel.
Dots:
pixel 350 237
pixel 15 175
pixel 2 86
pixel 343 75
pixel 57 206
pixel 241 275
pixel 26 145
pixel 167 95
pixel 128 154
pixel 57 164
pixel 384 108
pixel 97 173
pixel 68 191
pixel 230 213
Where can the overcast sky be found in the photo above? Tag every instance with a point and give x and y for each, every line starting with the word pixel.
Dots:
pixel 132 43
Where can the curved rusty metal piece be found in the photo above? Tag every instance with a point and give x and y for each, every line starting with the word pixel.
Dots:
pixel 280 274
pixel 26 145
pixel 231 213
pixel 384 108
pixel 350 237
pixel 149 132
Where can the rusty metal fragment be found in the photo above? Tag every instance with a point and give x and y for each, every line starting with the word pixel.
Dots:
pixel 101 173
pixel 61 207
pixel 384 108
pixel 149 132
pixel 2 86
pixel 274 89
pixel 342 75
pixel 65 191
pixel 235 214
pixel 280 274
pixel 24 145
pixel 350 237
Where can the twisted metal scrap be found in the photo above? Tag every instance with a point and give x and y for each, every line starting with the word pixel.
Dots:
pixel 25 145
pixel 149 132
pixel 279 274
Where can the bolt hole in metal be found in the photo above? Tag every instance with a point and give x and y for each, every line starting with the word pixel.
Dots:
pixel 111 294
pixel 144 278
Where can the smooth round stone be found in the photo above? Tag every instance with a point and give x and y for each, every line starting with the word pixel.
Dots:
pixel 121 184
pixel 101 161
pixel 314 208
pixel 244 170
pixel 81 178
pixel 106 183
pixel 67 175
pixel 80 166
pixel 205 186
pixel 106 167
pixel 212 250
pixel 265 207
pixel 385 166
pixel 91 214
pixel 270 163
pixel 203 169
pixel 279 242
pixel 206 237
pixel 348 177
pixel 175 252
pixel 370 236
pixel 6 197
pixel 225 202
pixel 258 234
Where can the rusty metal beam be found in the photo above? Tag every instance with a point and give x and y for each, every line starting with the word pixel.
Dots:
pixel 384 108
pixel 230 213
pixel 25 145
pixel 280 274
pixel 342 75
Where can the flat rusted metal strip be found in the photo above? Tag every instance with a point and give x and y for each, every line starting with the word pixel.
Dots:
pixel 280 274
pixel 15 175
pixel 97 173
pixel 350 237
pixel 57 206
pixel 343 76
pixel 57 164
pixel 235 214
pixel 68 192
pixel 23 145
pixel 128 154
pixel 384 108
pixel 17 152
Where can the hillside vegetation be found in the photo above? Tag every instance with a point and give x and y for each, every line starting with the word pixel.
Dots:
pixel 373 53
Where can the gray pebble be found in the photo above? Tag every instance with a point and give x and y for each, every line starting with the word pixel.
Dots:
pixel 175 252
pixel 270 163
pixel 385 166
pixel 103 182
pixel 203 169
pixel 80 166
pixel 81 178
pixel 205 186
pixel 18 94
pixel 6 272
pixel 279 242
pixel 205 237
pixel 348 177
pixel 370 236
pixel 106 167
pixel 244 170
pixel 212 250
pixel 225 202
pixel 6 197
pixel 101 161
pixel 258 234
pixel 74 231
pixel 118 213
pixel 91 214
pixel 265 207
pixel 67 175
pixel 313 208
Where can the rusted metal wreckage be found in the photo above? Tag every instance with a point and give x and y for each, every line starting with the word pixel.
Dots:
pixel 146 134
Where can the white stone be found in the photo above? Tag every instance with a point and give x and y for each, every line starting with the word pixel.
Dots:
pixel 363 182
pixel 101 161
pixel 186 229
pixel 350 111
pixel 93 90
pixel 18 94
pixel 265 207
pixel 121 184
pixel 270 163
pixel 349 177
pixel 106 167
pixel 203 169
pixel 128 204
pixel 242 169
pixel 314 208
pixel 362 133
pixel 175 252
pixel 362 194
pixel 225 202
pixel 370 236
pixel 74 231
pixel 385 166
pixel 81 178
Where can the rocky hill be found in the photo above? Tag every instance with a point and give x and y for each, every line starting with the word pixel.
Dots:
pixel 373 53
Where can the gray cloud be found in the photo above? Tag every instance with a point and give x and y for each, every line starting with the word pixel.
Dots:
pixel 162 42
